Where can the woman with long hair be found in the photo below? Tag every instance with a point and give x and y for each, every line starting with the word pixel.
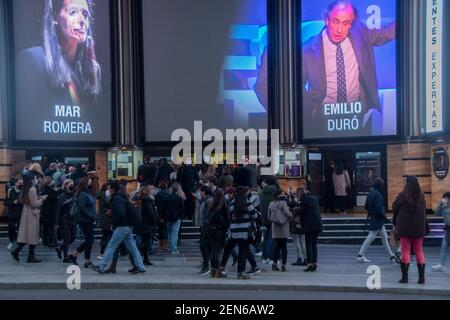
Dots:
pixel 243 215
pixel 410 222
pixel 64 221
pixel 86 215
pixel 104 217
pixel 216 229
pixel 48 212
pixel 65 64
pixel 29 223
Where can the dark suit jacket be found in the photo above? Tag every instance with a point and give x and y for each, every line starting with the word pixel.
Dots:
pixel 314 73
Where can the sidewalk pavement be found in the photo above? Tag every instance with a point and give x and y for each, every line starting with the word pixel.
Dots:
pixel 338 271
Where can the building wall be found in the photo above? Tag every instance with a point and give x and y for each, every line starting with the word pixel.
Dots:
pixel 11 163
pixel 415 159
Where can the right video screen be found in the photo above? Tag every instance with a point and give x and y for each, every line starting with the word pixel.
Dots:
pixel 349 68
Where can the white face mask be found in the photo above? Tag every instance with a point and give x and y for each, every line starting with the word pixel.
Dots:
pixel 107 193
pixel 445 201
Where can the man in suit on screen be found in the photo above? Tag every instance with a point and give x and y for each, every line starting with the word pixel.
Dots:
pixel 340 88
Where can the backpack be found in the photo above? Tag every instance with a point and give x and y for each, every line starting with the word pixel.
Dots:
pixel 278 217
pixel 73 211
pixel 134 215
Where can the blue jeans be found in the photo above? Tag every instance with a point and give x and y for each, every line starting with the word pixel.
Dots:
pixel 120 234
pixel 267 244
pixel 172 234
pixel 444 248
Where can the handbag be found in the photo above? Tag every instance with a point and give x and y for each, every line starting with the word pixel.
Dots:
pixel 278 218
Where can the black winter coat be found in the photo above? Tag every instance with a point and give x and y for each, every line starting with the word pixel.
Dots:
pixel 147 174
pixel 409 222
pixel 50 205
pixel 311 220
pixel 173 208
pixel 14 209
pixel 119 210
pixel 150 218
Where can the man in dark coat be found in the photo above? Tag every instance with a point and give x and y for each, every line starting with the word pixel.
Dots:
pixel 147 172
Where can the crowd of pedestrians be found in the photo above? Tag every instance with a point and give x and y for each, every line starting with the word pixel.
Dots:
pixel 240 215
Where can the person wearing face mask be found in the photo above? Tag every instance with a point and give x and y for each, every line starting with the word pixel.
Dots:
pixel 443 210
pixel 14 206
pixel 29 222
pixel 48 212
pixel 64 221
pixel 104 221
pixel 86 215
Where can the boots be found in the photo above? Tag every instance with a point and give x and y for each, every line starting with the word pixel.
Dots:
pixel 213 272
pixel 404 267
pixel 112 268
pixel 421 268
pixel 164 244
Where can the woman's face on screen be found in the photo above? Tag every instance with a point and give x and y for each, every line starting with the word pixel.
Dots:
pixel 74 20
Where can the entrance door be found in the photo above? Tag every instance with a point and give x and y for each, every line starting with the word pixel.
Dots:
pixel 316 173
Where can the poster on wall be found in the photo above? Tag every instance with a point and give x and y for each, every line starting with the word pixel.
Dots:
pixel 349 85
pixel 368 169
pixel 62 70
pixel 205 60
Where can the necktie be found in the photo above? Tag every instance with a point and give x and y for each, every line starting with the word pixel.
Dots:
pixel 341 81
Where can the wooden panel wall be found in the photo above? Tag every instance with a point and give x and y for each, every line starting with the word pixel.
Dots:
pixel 405 160
pixel 11 163
pixel 101 166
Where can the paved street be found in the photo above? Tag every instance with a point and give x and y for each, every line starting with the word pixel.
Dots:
pixel 172 275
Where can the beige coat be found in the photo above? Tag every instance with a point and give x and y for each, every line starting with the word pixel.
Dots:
pixel 341 183
pixel 29 222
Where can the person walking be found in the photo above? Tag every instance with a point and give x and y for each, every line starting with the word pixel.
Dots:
pixel 376 218
pixel 266 196
pixel 160 198
pixel 48 212
pixel 64 221
pixel 150 218
pixel 297 234
pixel 411 225
pixel 279 215
pixel 15 208
pixel 173 209
pixel 121 211
pixel 104 217
pixel 443 210
pixel 242 215
pixel 85 218
pixel 342 185
pixel 215 229
pixel 311 225
pixel 205 243
pixel 29 222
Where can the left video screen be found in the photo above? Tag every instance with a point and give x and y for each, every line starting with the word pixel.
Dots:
pixel 63 76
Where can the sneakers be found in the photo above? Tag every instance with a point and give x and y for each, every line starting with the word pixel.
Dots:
pixel 73 259
pixel 9 247
pixel 299 262
pixel 221 273
pixel 99 257
pixel 33 260
pixel 258 254
pixel 97 269
pixel 136 271
pixel 362 259
pixel 254 271
pixel 205 271
pixel 243 276
pixel 395 259
pixel 438 268
pixel 267 261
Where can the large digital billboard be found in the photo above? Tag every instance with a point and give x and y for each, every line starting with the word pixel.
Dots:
pixel 62 70
pixel 204 60
pixel 349 77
